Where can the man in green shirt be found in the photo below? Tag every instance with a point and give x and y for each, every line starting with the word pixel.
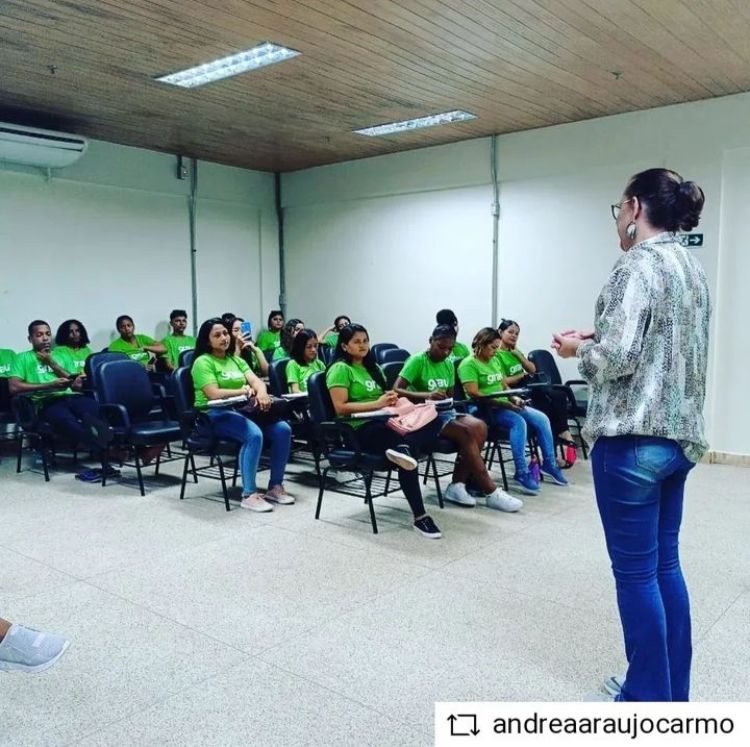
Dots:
pixel 137 347
pixel 178 341
pixel 459 351
pixel 6 361
pixel 54 392
pixel 270 339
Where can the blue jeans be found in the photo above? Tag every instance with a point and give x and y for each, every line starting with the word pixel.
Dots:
pixel 236 427
pixel 640 483
pixel 517 424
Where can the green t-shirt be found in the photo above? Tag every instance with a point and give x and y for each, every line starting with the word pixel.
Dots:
pixel 30 369
pixel 357 381
pixel 511 365
pixel 279 354
pixel 487 375
pixel 176 345
pixel 332 339
pixel 134 350
pixel 6 362
pixel 73 360
pixel 226 373
pixel 296 374
pixel 459 352
pixel 425 375
pixel 268 339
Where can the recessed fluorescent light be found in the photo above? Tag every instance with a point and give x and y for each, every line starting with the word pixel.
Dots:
pixel 251 59
pixel 414 124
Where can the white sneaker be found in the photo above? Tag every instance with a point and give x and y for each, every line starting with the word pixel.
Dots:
pixel 256 502
pixel 613 684
pixel 28 650
pixel 277 494
pixel 456 493
pixel 401 459
pixel 501 501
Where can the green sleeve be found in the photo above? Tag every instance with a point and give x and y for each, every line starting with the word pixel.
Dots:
pixel 460 350
pixel 412 369
pixel 64 359
pixel 279 354
pixel 467 371
pixel 145 340
pixel 203 372
pixel 293 373
pixel 241 364
pixel 338 376
pixel 17 369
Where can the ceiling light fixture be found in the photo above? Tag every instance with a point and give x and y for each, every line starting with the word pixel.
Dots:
pixel 242 62
pixel 415 124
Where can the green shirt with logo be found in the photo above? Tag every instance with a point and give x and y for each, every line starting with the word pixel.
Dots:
pixel 296 374
pixel 73 360
pixel 488 375
pixel 510 363
pixel 176 344
pixel 226 373
pixel 357 381
pixel 6 362
pixel 135 349
pixel 268 339
pixel 30 369
pixel 427 375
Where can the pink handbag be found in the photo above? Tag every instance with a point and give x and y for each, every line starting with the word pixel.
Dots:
pixel 409 417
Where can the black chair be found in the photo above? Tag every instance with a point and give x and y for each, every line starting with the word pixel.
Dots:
pixel 379 348
pixel 34 429
pixel 326 353
pixel 277 377
pixel 200 441
pixel 393 355
pixel 92 363
pixel 341 448
pixel 391 372
pixel 186 358
pixel 575 390
pixel 9 429
pixel 127 399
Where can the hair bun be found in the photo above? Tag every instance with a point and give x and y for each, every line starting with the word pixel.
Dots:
pixel 689 198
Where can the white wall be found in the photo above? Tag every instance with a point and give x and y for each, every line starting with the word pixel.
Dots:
pixel 110 235
pixel 429 212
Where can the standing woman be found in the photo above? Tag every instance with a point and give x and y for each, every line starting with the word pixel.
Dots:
pixel 645 363
pixel 217 375
pixel 71 346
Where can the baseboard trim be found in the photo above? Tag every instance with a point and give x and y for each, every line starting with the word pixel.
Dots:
pixel 727 457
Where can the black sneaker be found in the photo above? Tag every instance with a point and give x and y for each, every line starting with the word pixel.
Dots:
pixel 427 528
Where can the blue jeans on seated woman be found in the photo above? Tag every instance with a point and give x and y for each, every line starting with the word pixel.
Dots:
pixel 517 424
pixel 640 483
pixel 234 426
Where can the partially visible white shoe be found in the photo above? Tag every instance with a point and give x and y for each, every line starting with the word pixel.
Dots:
pixel 501 501
pixel 613 684
pixel 456 493
pixel 256 502
pixel 28 650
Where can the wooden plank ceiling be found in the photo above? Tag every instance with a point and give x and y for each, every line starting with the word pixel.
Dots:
pixel 88 66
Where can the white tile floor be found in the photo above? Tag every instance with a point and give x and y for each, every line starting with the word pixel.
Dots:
pixel 193 626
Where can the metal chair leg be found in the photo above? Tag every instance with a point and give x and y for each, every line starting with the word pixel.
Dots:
pixel 223 483
pixel 437 482
pixel 367 476
pixel 322 481
pixel 183 484
pixel 138 472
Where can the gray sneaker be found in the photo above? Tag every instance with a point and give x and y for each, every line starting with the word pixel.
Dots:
pixel 456 493
pixel 28 650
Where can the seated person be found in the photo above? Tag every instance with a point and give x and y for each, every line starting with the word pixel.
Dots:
pixel 244 347
pixel 139 348
pixel 460 351
pixel 356 384
pixel 54 392
pixel 431 376
pixel 178 341
pixel 6 362
pixel 270 339
pixel 72 346
pixel 217 374
pixel 516 366
pixel 288 333
pixel 304 362
pixel 330 336
pixel 482 374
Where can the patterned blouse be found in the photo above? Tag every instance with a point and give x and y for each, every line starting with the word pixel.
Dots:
pixel 646 365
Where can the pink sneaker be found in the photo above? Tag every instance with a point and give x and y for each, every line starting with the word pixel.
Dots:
pixel 277 494
pixel 256 502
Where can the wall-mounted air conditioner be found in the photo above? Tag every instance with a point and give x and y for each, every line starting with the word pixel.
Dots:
pixel 44 148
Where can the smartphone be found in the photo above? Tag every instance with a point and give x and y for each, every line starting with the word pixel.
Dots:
pixel 246 329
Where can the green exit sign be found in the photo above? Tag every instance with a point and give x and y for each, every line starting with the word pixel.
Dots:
pixel 690 239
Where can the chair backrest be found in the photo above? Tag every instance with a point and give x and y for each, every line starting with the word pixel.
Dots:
pixel 4 395
pixel 394 355
pixel 95 360
pixel 391 371
pixel 545 364
pixel 326 353
pixel 319 398
pixel 277 377
pixel 379 348
pixel 125 383
pixel 186 358
pixel 184 392
pixel 459 395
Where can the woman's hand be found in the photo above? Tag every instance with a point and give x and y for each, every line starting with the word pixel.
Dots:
pixel 388 399
pixel 438 394
pixel 264 402
pixel 517 402
pixel 566 346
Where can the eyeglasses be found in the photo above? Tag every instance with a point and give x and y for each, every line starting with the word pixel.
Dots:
pixel 617 207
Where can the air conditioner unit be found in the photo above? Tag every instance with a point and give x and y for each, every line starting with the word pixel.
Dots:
pixel 44 148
